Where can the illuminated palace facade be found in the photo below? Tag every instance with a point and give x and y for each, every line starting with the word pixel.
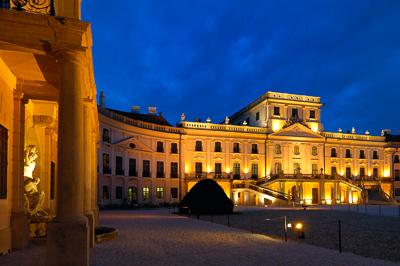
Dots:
pixel 273 151
pixel 48 130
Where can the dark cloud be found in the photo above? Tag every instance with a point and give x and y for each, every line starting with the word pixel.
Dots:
pixel 211 58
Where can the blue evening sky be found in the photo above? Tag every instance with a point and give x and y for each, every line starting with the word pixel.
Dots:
pixel 213 57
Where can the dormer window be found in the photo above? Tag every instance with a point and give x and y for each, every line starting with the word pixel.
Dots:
pixel 295 113
pixel 312 114
pixel 277 111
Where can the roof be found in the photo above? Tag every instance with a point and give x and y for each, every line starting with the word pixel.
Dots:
pixel 149 118
pixel 278 96
pixel 392 138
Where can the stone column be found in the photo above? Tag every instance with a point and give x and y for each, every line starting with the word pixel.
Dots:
pixel 94 177
pixel 88 169
pixel 68 235
pixel 19 220
pixel 322 191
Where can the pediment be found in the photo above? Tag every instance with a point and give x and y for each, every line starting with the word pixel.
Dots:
pixel 126 142
pixel 297 130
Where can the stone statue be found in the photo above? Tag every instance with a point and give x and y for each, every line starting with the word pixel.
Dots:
pixel 34 198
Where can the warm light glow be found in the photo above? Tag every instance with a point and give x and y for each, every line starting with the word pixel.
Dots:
pixel 328 201
pixel 208 169
pixel 299 226
pixel 276 125
pixel 342 173
pixel 308 201
pixel 386 173
pixel 187 168
pixel 227 170
pixel 369 173
pixel 246 170
pixel 289 225
pixel 314 127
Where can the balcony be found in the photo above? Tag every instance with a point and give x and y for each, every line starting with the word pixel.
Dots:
pixel 215 175
pixel 45 7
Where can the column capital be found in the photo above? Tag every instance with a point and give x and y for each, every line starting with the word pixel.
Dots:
pixel 20 96
pixel 70 56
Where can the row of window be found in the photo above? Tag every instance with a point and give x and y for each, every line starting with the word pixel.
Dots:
pixel 160 144
pixel 160 172
pixel 315 170
pixel 218 170
pixel 218 147
pixel 132 195
pixel 349 155
pixel 277 112
pixel 314 152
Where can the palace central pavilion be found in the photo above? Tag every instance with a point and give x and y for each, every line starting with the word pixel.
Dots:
pixel 273 151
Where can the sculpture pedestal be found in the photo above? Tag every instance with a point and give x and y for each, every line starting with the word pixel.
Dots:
pixel 69 239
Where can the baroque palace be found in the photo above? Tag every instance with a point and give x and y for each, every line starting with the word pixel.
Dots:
pixel 273 151
pixel 48 129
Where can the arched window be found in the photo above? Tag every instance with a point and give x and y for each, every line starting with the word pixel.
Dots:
pixel 278 168
pixel 333 152
pixel 296 168
pixel 348 153
pixel 278 149
pixel 296 150
pixel 314 151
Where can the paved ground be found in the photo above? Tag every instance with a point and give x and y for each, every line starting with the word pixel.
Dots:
pixel 155 237
pixel 366 235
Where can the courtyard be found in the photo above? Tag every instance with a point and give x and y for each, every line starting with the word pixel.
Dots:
pixel 159 237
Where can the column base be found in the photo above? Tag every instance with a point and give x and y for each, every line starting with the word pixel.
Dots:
pixel 68 243
pixel 19 230
pixel 91 226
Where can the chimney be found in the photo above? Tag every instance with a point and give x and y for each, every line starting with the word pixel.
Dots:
pixel 102 99
pixel 152 110
pixel 135 109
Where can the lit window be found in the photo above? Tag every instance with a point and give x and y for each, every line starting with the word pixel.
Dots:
pixel 146 193
pixel 254 171
pixel 278 168
pixel 314 167
pixel 160 192
pixel 296 168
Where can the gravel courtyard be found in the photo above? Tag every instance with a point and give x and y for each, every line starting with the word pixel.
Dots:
pixel 155 237
pixel 367 235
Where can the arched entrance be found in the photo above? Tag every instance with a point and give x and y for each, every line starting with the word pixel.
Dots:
pixel 132 195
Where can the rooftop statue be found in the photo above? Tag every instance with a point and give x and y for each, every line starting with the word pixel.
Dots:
pixel 34 198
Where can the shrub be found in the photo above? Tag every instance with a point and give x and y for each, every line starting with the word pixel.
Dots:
pixel 206 197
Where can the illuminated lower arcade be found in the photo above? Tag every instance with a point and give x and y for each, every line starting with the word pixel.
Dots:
pixel 272 152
